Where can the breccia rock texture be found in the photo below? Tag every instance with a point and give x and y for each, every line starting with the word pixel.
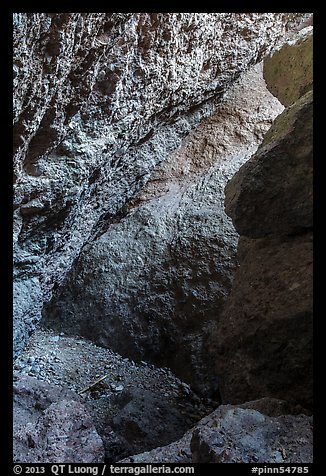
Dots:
pixel 153 285
pixel 263 341
pixel 258 431
pixel 51 425
pixel 99 100
pixel 246 436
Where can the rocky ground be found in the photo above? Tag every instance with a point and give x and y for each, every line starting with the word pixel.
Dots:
pixel 136 407
pixel 63 415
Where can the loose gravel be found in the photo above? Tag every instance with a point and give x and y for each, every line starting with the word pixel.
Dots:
pixel 145 406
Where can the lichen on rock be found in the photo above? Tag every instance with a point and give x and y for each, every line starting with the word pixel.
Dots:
pixel 289 71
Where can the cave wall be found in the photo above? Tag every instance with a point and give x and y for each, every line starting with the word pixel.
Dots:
pixel 157 279
pixel 120 228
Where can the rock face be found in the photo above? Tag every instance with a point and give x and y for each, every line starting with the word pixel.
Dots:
pixel 258 200
pixel 99 100
pixel 158 279
pixel 260 431
pixel 289 72
pixel 247 436
pixel 264 338
pixel 51 425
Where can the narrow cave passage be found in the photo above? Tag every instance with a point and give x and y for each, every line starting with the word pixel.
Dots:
pixel 139 314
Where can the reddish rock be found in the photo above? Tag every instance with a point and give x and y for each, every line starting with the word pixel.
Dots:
pixel 51 425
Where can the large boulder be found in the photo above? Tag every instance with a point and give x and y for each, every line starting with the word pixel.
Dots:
pixel 272 193
pixel 157 280
pixel 263 341
pixel 238 435
pixel 256 431
pixel 289 72
pixel 99 100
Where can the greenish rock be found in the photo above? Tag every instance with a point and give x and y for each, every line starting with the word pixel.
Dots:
pixel 289 72
pixel 271 194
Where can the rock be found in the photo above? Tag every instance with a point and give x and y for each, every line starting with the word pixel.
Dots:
pixel 272 407
pixel 160 277
pixel 115 446
pixel 289 71
pixel 136 411
pixel 150 411
pixel 236 435
pixel 99 101
pixel 51 425
pixel 176 452
pixel 242 428
pixel 262 344
pixel 54 339
pixel 272 192
pixel 27 307
pixel 118 388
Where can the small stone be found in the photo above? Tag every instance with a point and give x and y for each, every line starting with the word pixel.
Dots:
pixel 35 369
pixel 119 388
pixel 19 366
pixel 54 339
pixel 185 388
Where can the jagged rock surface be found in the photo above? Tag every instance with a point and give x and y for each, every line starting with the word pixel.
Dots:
pixel 51 425
pixel 256 431
pixel 246 436
pixel 99 100
pixel 158 279
pixel 263 342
